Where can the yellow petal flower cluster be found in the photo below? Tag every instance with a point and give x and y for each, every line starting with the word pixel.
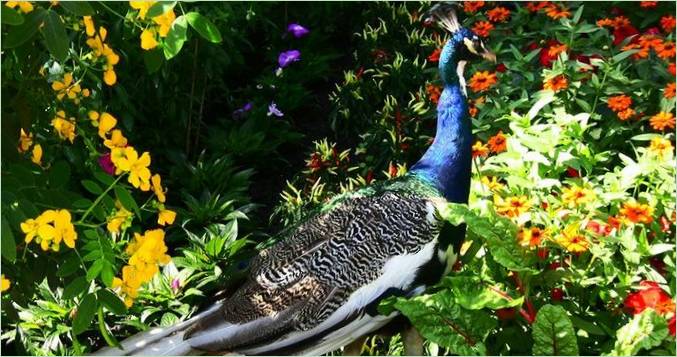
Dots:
pixel 64 127
pixel 49 229
pixel 5 283
pixel 576 195
pixel 24 6
pixel 96 42
pixel 119 218
pixel 70 89
pixel 159 26
pixel 25 143
pixel 511 207
pixel 146 252
pixel 127 160
pixel 572 239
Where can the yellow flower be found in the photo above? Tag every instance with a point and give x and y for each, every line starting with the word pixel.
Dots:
pixel 531 237
pixel 147 251
pixel 165 216
pixel 96 42
pixel 5 283
pixel 142 6
pixel 36 156
pixel 109 77
pixel 93 115
pixel 24 6
pixel 117 140
pixel 157 188
pixel 106 123
pixel 25 141
pixel 118 218
pixel 128 160
pixel 129 285
pixel 661 148
pixel 492 183
pixel 512 206
pixel 50 228
pixel 572 240
pixel 148 41
pixel 89 25
pixel 165 21
pixel 67 87
pixel 65 128
pixel 576 196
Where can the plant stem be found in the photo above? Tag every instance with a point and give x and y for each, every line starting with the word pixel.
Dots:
pixel 98 199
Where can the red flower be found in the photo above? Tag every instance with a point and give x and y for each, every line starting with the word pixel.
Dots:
pixel 668 23
pixel 652 31
pixel 500 68
pixel 650 297
pixel 360 72
pixel 435 56
pixel 542 253
pixel 556 294
pixel 571 172
pixel 507 313
pixel 547 57
pixel 370 176
pixel 671 69
pixel 106 164
pixel 671 325
pixel 623 32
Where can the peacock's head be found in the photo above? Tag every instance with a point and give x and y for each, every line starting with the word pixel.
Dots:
pixel 464 45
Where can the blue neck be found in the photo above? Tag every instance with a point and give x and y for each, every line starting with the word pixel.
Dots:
pixel 447 163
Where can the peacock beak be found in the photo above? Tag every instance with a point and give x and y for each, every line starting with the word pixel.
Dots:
pixel 489 56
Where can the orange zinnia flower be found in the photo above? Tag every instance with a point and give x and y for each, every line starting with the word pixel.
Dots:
pixel 671 69
pixel 651 296
pixel 662 120
pixel 555 11
pixel 482 28
pixel 666 50
pixel 498 14
pixel 534 6
pixel 636 212
pixel 605 22
pixel 482 81
pixel 626 114
pixel 531 237
pixel 472 6
pixel 497 143
pixel 668 23
pixel 619 103
pixel 557 83
pixel 433 92
pixel 669 91
pixel 472 110
pixel 648 4
pixel 576 195
pixel 512 206
pixel 480 150
pixel 572 239
pixel 555 50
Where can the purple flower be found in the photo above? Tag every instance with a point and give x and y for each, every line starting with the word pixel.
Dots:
pixel 272 110
pixel 176 284
pixel 297 30
pixel 107 164
pixel 240 112
pixel 287 57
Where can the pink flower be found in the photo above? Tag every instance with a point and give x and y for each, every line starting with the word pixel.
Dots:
pixel 106 164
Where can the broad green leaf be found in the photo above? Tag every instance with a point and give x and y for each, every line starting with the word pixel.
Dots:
pixel 94 270
pixel 11 17
pixel 55 36
pixel 644 331
pixel 204 27
pixel 18 35
pixel 59 174
pixel 84 314
pixel 160 8
pixel 7 241
pixel 80 8
pixel 474 294
pixel 75 288
pixel 545 99
pixel 111 301
pixel 127 200
pixel 153 60
pixel 553 333
pixel 92 187
pixel 103 177
pixel 439 319
pixel 623 55
pixel 577 15
pixel 176 37
pixel 69 265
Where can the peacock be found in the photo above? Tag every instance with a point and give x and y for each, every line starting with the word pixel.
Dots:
pixel 317 289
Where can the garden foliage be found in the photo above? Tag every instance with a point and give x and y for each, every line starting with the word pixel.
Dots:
pixel 145 146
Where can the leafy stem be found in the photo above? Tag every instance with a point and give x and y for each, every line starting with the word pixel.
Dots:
pixel 98 199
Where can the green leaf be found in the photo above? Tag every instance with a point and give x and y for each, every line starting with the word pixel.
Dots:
pixel 85 314
pixel 55 36
pixel 103 177
pixel 11 17
pixel 577 15
pixel 7 241
pixel 160 8
pixel 94 270
pixel 59 174
pixel 111 301
pixel 75 288
pixel 439 319
pixel 153 59
pixel 127 200
pixel 644 331
pixel 19 35
pixel 623 55
pixel 204 27
pixel 69 265
pixel 91 186
pixel 553 333
pixel 474 294
pixel 79 8
pixel 175 37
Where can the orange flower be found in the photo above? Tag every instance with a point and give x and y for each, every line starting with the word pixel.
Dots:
pixel 472 6
pixel 433 92
pixel 557 83
pixel 498 14
pixel 662 120
pixel 531 237
pixel 480 150
pixel 671 69
pixel 666 50
pixel 617 22
pixel 482 28
pixel 472 110
pixel 534 6
pixel 572 239
pixel 576 196
pixel 512 206
pixel 669 91
pixel 619 103
pixel 497 143
pixel 482 81
pixel 626 114
pixel 636 212
pixel 668 23
pixel 605 22
pixel 555 11
pixel 555 50
pixel 648 4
